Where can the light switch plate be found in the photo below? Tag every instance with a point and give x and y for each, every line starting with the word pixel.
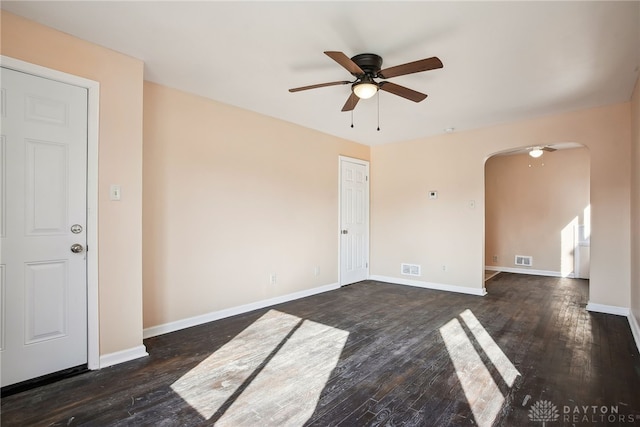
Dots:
pixel 114 192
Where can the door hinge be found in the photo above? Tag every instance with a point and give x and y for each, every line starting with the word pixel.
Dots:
pixel 366 265
pixel 366 178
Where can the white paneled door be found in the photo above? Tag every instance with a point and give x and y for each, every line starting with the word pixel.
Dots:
pixel 43 229
pixel 354 220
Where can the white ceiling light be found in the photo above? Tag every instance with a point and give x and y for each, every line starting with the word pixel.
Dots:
pixel 365 90
pixel 536 152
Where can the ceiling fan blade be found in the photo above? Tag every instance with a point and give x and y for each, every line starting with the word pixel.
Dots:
pixel 411 67
pixel 549 149
pixel 351 102
pixel 298 89
pixel 346 62
pixel 402 91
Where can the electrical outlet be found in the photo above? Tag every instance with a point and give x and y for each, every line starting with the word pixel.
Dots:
pixel 316 270
pixel 273 278
pixel 495 258
pixel 444 267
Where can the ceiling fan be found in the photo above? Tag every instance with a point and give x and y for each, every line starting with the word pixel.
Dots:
pixel 366 67
pixel 537 151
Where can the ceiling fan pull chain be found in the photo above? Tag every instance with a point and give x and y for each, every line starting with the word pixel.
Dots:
pixel 351 119
pixel 378 111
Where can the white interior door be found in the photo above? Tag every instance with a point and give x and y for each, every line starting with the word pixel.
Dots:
pixel 44 213
pixel 354 220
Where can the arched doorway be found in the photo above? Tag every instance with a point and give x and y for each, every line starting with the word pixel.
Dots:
pixel 537 212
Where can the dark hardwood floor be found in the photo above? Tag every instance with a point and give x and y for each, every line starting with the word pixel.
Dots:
pixel 528 353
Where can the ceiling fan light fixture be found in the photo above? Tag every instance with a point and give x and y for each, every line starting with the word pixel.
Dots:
pixel 365 90
pixel 536 152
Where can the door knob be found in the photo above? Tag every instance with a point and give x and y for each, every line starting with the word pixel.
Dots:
pixel 345 231
pixel 77 248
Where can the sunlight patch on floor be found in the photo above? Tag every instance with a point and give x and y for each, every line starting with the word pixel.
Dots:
pixel 272 371
pixel 500 361
pixel 480 388
pixel 293 379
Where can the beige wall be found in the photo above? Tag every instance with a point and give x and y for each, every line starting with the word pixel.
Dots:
pixel 120 152
pixel 532 206
pixel 635 200
pixel 230 197
pixel 409 227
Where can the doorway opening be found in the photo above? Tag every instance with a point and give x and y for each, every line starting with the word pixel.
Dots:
pixel 538 213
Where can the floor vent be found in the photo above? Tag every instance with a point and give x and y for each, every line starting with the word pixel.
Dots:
pixel 410 269
pixel 526 261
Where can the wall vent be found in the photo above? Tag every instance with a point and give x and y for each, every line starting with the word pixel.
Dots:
pixel 524 260
pixel 410 269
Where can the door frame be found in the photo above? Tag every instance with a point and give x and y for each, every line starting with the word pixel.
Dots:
pixel 93 103
pixel 364 163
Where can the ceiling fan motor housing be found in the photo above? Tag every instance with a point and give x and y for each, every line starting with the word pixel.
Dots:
pixel 370 63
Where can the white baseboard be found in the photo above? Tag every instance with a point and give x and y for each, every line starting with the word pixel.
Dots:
pixel 228 312
pixel 549 273
pixel 430 285
pixel 608 309
pixel 123 356
pixel 635 328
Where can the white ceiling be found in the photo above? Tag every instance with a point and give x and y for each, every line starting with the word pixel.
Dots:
pixel 503 61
